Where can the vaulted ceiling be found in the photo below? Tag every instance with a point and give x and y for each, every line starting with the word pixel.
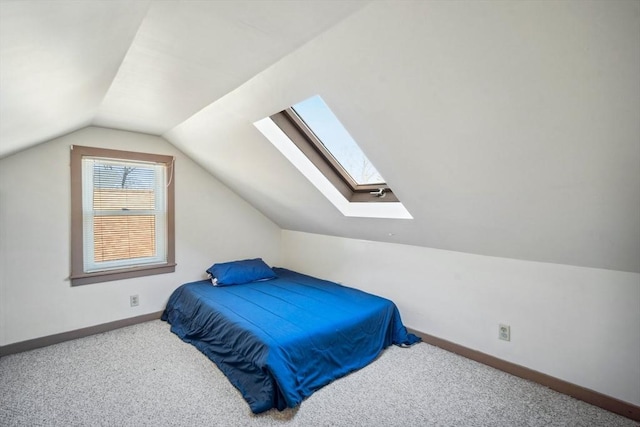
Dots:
pixel 508 129
pixel 144 66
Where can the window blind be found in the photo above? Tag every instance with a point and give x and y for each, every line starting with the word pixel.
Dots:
pixel 124 213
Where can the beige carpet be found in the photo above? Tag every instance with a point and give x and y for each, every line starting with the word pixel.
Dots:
pixel 144 375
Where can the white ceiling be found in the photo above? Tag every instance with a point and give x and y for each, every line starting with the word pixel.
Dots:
pixel 57 61
pixel 508 129
pixel 144 66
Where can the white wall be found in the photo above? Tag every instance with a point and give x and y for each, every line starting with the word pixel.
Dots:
pixel 212 224
pixel 574 323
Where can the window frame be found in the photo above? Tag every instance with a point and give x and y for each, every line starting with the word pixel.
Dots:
pixel 305 139
pixel 78 276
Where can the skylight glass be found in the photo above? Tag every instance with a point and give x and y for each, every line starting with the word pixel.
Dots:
pixel 336 139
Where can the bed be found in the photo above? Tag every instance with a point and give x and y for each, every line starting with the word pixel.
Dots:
pixel 279 340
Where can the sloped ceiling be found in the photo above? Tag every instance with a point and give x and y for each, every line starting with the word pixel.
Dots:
pixel 144 66
pixel 57 61
pixel 507 129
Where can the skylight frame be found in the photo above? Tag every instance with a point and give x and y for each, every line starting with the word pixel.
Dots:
pixel 276 136
pixel 306 140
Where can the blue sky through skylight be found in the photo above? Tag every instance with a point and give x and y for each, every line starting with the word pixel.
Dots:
pixel 326 126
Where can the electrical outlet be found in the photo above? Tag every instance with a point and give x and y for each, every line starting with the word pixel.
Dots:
pixel 504 332
pixel 134 300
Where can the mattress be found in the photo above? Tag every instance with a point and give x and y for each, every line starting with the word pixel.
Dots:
pixel 279 340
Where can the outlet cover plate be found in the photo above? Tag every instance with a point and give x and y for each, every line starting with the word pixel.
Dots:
pixel 504 332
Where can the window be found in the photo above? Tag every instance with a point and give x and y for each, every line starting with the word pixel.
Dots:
pixel 336 143
pixel 311 137
pixel 122 215
pixel 312 126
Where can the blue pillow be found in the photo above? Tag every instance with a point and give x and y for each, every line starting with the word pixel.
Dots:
pixel 239 272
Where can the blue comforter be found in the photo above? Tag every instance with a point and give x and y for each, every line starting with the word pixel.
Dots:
pixel 280 340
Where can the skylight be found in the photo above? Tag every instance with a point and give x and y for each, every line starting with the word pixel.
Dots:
pixel 310 135
pixel 336 139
